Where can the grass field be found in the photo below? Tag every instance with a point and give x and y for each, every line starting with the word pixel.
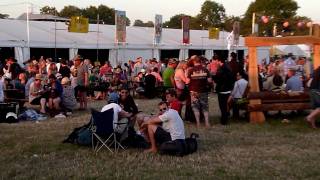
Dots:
pixel 274 150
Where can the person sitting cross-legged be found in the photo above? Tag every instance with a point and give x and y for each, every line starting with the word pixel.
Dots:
pixel 172 127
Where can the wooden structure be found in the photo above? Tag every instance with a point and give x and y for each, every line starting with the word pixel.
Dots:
pixel 253 42
pixel 273 101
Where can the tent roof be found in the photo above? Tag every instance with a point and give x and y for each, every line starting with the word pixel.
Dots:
pixel 43 34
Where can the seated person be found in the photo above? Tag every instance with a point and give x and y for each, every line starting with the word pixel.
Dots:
pixel 113 95
pixel 174 103
pixel 294 83
pixel 172 127
pixel 240 86
pixel 69 101
pixel 127 102
pixel 274 82
pixel 37 93
pixel 55 93
pixel 119 116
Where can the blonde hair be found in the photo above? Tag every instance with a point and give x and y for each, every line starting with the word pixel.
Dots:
pixel 181 64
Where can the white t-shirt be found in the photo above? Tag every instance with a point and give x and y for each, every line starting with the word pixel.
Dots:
pixel 173 124
pixel 116 110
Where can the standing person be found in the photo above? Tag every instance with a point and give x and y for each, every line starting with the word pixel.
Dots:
pixel 168 75
pixel 234 65
pixel 181 79
pixel 138 66
pixel 224 85
pixel 315 99
pixel 82 81
pixel 199 80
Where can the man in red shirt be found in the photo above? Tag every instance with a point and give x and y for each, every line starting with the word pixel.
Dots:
pixel 174 103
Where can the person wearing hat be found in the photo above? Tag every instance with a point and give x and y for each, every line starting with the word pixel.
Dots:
pixel 82 74
pixel 69 101
pixel 55 93
pixel 294 83
pixel 36 93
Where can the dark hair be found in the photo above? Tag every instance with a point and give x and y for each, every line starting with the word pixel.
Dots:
pixel 52 76
pixel 277 80
pixel 172 92
pixel 162 103
pixel 155 69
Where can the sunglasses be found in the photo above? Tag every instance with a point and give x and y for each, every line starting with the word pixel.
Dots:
pixel 163 109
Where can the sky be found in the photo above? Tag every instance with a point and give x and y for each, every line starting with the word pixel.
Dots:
pixel 146 9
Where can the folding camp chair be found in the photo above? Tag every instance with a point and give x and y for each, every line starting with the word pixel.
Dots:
pixel 103 131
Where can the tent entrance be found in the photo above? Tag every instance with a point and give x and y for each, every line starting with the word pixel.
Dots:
pixel 174 53
pixel 6 52
pixel 103 54
pixel 49 53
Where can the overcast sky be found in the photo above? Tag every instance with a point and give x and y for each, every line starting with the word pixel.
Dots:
pixel 146 9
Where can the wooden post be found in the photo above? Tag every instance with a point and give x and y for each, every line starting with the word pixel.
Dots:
pixel 255 117
pixel 316 56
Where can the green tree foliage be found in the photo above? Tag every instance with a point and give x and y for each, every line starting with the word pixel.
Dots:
pixel 69 11
pixel 174 22
pixel 140 23
pixel 212 14
pixel 279 11
pixel 49 10
pixel 4 16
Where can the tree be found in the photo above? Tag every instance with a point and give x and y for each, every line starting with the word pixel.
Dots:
pixel 4 16
pixel 174 22
pixel 49 10
pixel 228 23
pixel 212 14
pixel 69 11
pixel 278 11
pixel 140 23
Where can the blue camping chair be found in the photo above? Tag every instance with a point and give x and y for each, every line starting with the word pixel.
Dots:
pixel 103 132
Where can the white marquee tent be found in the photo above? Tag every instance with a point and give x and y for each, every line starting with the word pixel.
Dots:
pixel 42 34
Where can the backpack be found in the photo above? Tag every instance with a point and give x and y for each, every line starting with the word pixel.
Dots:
pixel 180 147
pixel 191 144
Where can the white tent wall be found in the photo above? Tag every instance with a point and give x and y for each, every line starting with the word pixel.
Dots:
pixel 183 54
pixel 18 55
pixel 73 52
pixel 262 53
pixel 156 54
pixel 209 53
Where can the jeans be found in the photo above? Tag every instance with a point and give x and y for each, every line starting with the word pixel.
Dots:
pixel 223 105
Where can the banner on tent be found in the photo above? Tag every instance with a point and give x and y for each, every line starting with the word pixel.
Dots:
pixel 186 30
pixel 214 33
pixel 120 26
pixel 79 24
pixel 157 29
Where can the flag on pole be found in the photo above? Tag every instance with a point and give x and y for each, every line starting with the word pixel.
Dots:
pixel 214 33
pixel 120 20
pixel 186 30
pixel 157 29
pixel 79 24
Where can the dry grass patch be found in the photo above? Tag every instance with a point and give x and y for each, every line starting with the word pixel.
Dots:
pixel 274 150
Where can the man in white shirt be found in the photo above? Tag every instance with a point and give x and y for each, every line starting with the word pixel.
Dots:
pixel 172 127
pixel 119 116
pixel 240 86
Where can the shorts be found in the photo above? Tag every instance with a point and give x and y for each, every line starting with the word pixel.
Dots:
pixel 161 135
pixel 199 101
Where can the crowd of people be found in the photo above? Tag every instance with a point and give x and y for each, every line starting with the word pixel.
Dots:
pixel 57 87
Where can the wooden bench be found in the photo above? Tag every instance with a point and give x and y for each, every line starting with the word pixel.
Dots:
pixel 274 101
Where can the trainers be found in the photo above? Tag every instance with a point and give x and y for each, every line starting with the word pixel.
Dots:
pixel 60 116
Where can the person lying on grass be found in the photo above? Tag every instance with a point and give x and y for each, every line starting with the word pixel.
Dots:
pixel 172 127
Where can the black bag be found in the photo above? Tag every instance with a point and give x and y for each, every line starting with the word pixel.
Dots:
pixel 180 147
pixel 174 148
pixel 80 135
pixel 191 144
